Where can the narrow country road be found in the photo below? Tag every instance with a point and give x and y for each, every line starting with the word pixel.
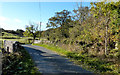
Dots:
pixel 50 63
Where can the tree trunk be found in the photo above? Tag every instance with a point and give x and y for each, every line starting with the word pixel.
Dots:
pixel 34 36
pixel 106 35
pixel 106 39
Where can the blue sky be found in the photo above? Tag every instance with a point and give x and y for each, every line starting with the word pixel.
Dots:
pixel 15 15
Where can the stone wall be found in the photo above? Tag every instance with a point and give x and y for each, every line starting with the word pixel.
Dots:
pixel 41 41
pixel 37 41
pixel 11 46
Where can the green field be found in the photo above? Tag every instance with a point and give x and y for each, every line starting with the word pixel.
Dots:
pixel 6 35
pixel 13 37
pixel 21 40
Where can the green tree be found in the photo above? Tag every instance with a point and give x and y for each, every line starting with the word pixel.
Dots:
pixel 31 30
pixel 81 13
pixel 108 12
pixel 20 32
pixel 62 20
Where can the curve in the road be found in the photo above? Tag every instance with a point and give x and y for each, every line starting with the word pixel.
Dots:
pixel 49 62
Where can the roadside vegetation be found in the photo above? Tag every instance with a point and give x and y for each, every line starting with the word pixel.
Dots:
pixel 88 35
pixel 22 40
pixel 18 63
pixel 15 37
pixel 89 62
pixel 91 34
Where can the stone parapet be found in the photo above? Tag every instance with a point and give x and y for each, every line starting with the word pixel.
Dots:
pixel 11 46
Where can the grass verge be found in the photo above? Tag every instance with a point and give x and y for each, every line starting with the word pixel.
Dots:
pixel 19 63
pixel 55 49
pixel 89 62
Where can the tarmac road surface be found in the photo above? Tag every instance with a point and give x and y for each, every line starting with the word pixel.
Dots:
pixel 50 63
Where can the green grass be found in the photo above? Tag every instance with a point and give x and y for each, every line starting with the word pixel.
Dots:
pixel 9 36
pixel 13 37
pixel 84 60
pixel 21 39
pixel 55 48
pixel 20 64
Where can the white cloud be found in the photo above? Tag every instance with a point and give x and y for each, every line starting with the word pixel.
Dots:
pixel 12 24
pixel 2 24
pixel 5 25
pixel 3 19
pixel 17 20
pixel 9 23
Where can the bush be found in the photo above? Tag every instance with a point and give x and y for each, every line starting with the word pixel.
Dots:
pixel 18 63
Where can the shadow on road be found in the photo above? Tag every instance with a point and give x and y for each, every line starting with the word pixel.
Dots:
pixel 49 63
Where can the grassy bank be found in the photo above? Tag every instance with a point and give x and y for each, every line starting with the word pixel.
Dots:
pixel 54 48
pixel 89 62
pixel 24 40
pixel 19 63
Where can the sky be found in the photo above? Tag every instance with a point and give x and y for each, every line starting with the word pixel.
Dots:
pixel 15 15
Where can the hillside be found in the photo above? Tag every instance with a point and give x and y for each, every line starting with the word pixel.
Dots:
pixel 11 34
pixel 6 35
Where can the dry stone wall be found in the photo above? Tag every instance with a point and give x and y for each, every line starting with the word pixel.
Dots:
pixel 37 41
